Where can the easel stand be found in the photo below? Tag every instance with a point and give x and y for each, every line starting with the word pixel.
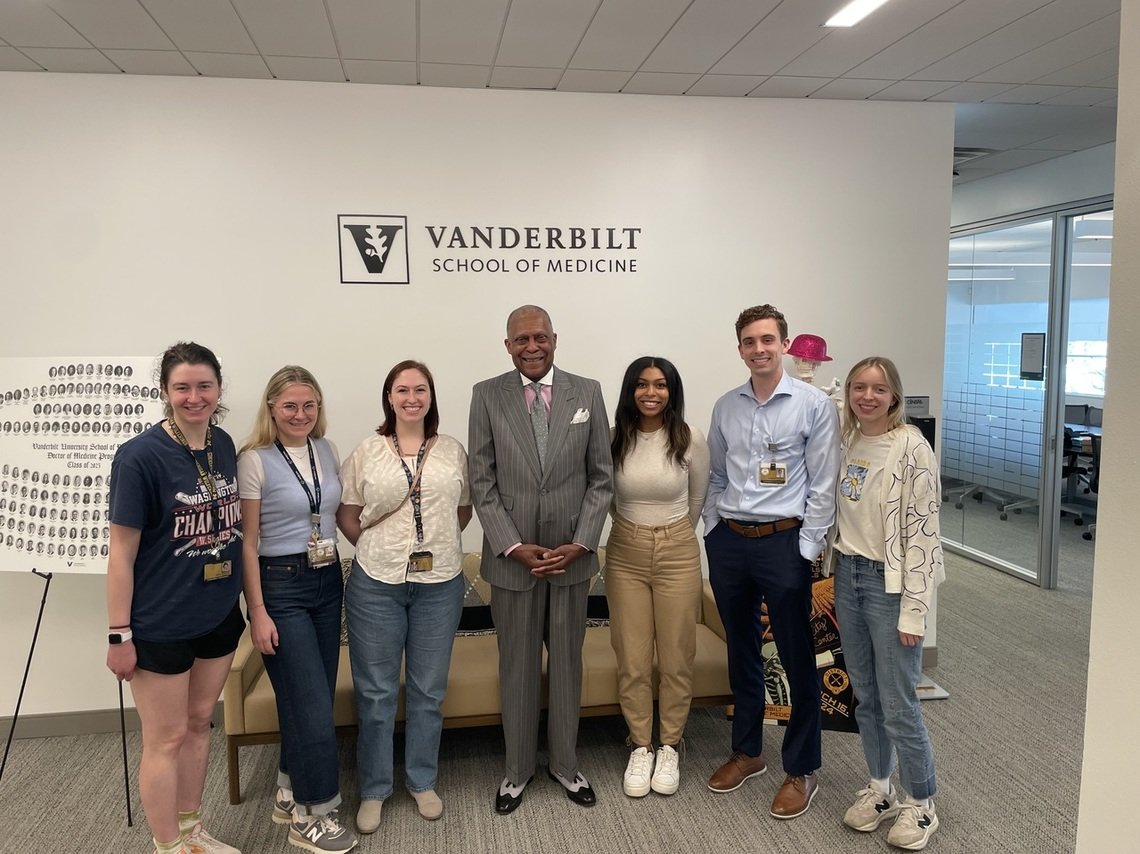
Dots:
pixel 27 668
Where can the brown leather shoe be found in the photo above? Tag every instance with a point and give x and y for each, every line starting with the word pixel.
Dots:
pixel 794 796
pixel 740 767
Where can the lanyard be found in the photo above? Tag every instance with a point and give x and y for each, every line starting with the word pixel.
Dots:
pixel 205 475
pixel 415 486
pixel 314 502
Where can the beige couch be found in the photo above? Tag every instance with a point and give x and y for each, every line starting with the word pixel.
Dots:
pixel 473 682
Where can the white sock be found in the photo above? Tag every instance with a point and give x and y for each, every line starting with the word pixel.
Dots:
pixel 882 786
pixel 919 802
pixel 285 793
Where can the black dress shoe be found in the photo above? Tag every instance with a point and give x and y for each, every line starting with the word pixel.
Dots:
pixel 506 803
pixel 583 796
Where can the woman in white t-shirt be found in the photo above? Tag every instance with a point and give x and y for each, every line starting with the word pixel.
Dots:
pixel 406 499
pixel 888 560
pixel 653 565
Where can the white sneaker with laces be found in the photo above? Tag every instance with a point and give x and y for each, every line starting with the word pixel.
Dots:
pixel 635 783
pixel 282 808
pixel 197 841
pixel 321 833
pixel 913 827
pixel 871 808
pixel 666 773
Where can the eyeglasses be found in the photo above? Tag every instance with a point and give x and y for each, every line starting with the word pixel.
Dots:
pixel 310 408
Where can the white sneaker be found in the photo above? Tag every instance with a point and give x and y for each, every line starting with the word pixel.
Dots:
pixel 282 808
pixel 637 773
pixel 321 833
pixel 197 841
pixel 913 827
pixel 870 809
pixel 666 774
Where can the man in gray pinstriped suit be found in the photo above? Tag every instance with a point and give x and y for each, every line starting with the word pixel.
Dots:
pixel 541 482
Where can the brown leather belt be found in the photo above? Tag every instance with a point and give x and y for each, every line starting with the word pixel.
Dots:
pixel 761 529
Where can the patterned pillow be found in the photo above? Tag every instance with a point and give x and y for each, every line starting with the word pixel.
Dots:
pixel 476 616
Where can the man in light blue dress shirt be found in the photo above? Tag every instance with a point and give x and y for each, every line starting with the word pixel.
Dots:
pixel 774 447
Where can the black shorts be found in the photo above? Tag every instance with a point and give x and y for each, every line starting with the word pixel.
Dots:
pixel 178 656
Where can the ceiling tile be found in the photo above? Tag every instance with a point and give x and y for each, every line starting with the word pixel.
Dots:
pixel 788 87
pixel 1083 96
pixel 725 85
pixel 847 89
pixel 1040 27
pixel 659 83
pixel 288 27
pixel 1094 71
pixel 1082 44
pixel 787 32
pixel 12 60
pixel 79 60
pixel 912 90
pixel 585 80
pixel 705 33
pixel 966 92
pixel 461 32
pixel 205 25
pixel 624 32
pixel 366 29
pixel 1005 160
pixel 316 68
pixel 1028 94
pixel 462 76
pixel 380 71
pixel 961 25
pixel 543 33
pixel 35 25
pixel 511 77
pixel 845 47
pixel 151 62
pixel 113 23
pixel 229 65
pixel 1110 101
pixel 1002 126
pixel 1097 127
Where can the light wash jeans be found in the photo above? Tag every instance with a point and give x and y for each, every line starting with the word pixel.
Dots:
pixel 385 623
pixel 884 674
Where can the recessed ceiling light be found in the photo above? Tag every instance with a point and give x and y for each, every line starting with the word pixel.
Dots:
pixel 853 13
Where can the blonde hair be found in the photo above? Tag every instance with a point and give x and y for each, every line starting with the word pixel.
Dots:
pixel 896 415
pixel 264 428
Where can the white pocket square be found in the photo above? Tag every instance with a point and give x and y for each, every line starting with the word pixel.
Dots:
pixel 580 417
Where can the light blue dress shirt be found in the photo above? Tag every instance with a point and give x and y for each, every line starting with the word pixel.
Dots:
pixel 797 427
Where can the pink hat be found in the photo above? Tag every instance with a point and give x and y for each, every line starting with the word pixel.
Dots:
pixel 810 347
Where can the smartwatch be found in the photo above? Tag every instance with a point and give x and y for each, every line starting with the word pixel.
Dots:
pixel 120 637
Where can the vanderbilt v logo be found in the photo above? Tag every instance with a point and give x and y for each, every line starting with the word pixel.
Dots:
pixel 373 249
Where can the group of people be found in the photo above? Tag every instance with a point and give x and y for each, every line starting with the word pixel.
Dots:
pixel 193 522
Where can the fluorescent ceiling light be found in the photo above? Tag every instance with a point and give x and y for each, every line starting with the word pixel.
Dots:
pixel 1092 229
pixel 853 13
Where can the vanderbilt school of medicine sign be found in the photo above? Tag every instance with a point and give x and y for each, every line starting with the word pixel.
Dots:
pixel 374 249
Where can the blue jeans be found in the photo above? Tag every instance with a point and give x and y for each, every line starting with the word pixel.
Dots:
pixel 304 603
pixel 884 674
pixel 743 571
pixel 387 622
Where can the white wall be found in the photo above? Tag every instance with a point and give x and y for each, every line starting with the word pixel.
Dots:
pixel 1083 175
pixel 1112 752
pixel 140 210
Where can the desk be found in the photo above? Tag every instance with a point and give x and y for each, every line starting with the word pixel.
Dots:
pixel 1083 429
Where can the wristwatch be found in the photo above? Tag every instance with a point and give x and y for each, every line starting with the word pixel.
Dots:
pixel 120 637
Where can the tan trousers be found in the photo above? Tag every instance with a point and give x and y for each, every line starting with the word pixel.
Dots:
pixel 653 583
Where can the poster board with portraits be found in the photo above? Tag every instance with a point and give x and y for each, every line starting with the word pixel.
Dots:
pixel 61 421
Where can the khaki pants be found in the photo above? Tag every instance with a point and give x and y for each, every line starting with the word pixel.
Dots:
pixel 653 583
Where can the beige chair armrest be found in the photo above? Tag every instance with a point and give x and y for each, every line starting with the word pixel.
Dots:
pixel 710 616
pixel 245 669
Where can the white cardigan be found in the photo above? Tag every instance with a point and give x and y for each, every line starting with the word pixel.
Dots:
pixel 910 499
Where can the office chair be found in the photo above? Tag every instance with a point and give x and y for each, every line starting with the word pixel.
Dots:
pixel 1070 467
pixel 1094 483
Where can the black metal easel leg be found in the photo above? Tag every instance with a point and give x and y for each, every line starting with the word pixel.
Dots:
pixel 27 668
pixel 126 773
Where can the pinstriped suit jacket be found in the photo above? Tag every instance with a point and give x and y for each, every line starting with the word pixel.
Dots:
pixel 516 500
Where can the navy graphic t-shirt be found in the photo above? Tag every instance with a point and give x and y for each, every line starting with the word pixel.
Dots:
pixel 155 487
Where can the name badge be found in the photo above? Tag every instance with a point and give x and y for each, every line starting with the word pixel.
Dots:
pixel 773 474
pixel 322 552
pixel 218 571
pixel 419 562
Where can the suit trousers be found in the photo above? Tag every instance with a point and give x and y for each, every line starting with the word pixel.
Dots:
pixel 653 583
pixel 743 571
pixel 523 619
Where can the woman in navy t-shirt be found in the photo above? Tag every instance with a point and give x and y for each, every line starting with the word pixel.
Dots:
pixel 173 580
